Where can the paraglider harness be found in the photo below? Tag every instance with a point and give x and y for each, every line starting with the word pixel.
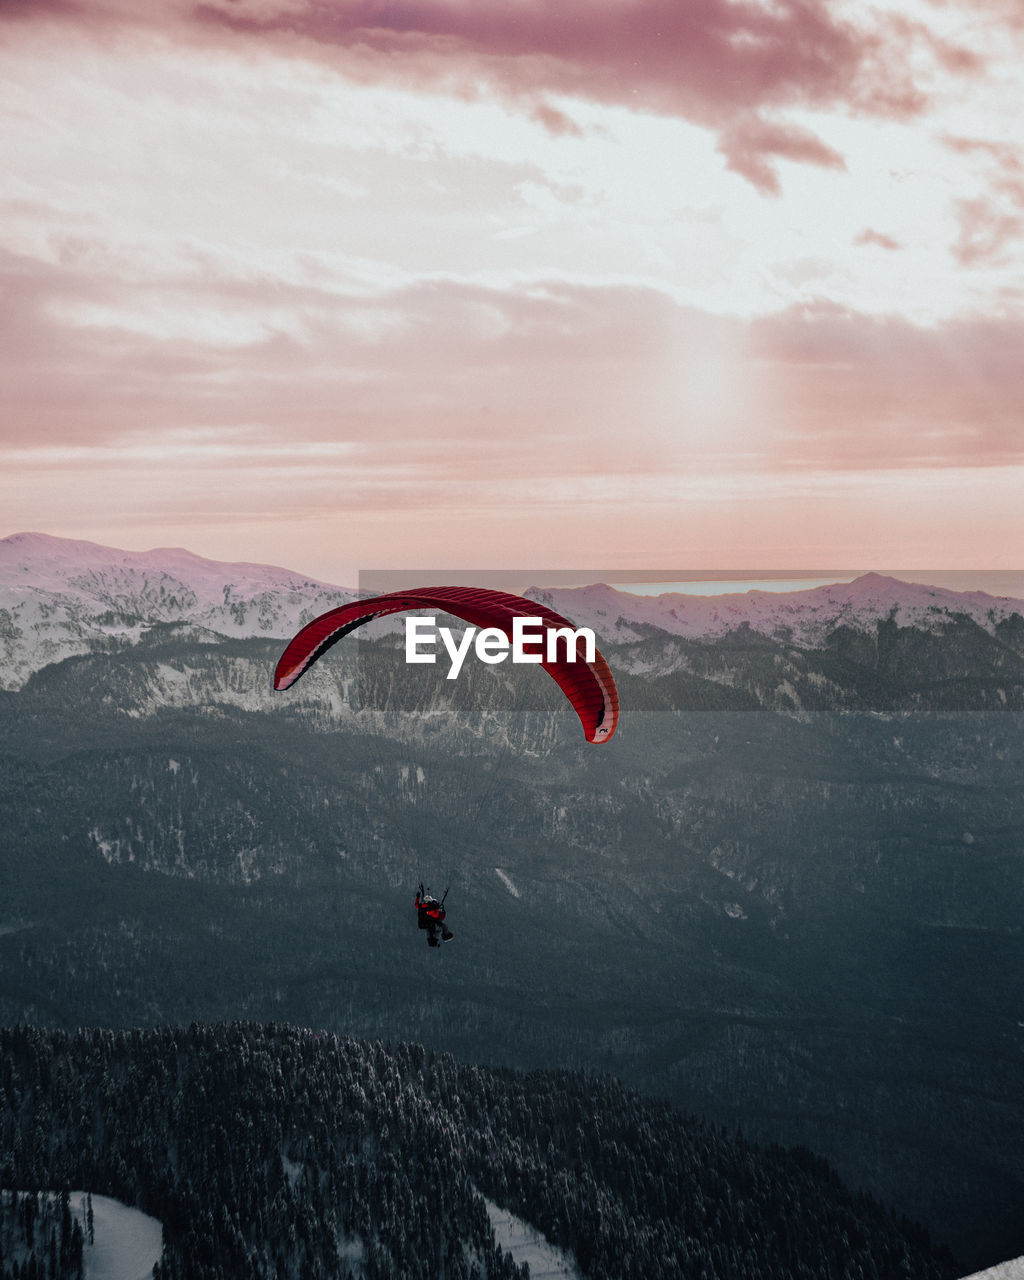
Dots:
pixel 430 916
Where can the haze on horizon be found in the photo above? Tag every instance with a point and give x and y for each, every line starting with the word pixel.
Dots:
pixel 327 285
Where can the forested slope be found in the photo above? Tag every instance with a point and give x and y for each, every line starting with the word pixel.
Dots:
pixel 802 918
pixel 274 1152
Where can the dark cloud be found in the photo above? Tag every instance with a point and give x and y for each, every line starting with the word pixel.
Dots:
pixel 704 59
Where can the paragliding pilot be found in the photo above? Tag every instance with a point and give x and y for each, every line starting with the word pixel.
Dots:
pixel 430 916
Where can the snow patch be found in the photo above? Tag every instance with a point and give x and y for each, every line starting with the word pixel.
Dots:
pixel 526 1244
pixel 352 1251
pixel 505 879
pixel 127 1242
pixel 110 850
pixel 248 865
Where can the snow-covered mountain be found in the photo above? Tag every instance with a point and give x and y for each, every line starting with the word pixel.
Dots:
pixel 803 618
pixel 60 597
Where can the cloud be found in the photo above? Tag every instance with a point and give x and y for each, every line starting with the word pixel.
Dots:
pixel 718 63
pixel 555 121
pixel 705 60
pixel 22 10
pixel 460 369
pixel 445 374
pixel 986 233
pixel 870 236
pixel 989 225
pixel 750 145
pixel 1007 13
pixel 883 393
pixel 1006 155
pixel 442 408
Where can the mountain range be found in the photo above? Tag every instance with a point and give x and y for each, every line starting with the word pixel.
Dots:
pixel 60 597
pixel 803 618
pixel 787 896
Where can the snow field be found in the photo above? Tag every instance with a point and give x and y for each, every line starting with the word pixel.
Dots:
pixel 128 1242
pixel 1012 1270
pixel 526 1244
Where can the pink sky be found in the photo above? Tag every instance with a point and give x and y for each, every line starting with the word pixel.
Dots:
pixel 467 282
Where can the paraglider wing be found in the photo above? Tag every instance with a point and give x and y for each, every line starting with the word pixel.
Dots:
pixel 589 685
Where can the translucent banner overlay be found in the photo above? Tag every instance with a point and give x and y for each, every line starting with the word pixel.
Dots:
pixel 786 641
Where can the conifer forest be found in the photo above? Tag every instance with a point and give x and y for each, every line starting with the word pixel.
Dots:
pixel 277 1153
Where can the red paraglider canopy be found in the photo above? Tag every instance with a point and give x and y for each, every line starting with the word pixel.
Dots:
pixel 589 685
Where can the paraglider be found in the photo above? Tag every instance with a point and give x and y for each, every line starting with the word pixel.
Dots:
pixel 569 655
pixel 430 915
pixel 585 679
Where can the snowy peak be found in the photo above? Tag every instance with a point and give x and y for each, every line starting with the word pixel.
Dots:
pixel 60 597
pixel 44 562
pixel 799 617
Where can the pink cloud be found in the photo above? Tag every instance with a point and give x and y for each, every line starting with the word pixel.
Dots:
pixel 986 233
pixel 870 236
pixel 21 10
pixel 705 60
pixel 457 370
pixel 448 376
pixel 990 225
pixel 1007 159
pixel 414 416
pixel 881 392
pixel 750 145
pixel 1008 13
pixel 716 62
pixel 555 121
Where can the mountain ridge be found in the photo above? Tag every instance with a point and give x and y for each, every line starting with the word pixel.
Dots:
pixel 62 597
pixel 801 617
